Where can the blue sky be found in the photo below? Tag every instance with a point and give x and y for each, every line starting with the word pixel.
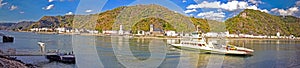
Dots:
pixel 33 10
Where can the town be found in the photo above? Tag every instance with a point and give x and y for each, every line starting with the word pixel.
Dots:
pixel 156 33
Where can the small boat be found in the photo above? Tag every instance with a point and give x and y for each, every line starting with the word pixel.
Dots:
pixel 198 43
pixel 60 57
pixel 7 39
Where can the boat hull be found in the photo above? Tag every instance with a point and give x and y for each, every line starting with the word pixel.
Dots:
pixel 213 51
pixel 192 49
pixel 61 59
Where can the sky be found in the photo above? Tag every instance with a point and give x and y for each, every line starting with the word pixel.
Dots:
pixel 220 10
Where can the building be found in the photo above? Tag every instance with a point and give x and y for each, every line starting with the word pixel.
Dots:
pixel 121 32
pixel 60 30
pixel 278 34
pixel 140 32
pixel 156 31
pixel 211 34
pixel 171 33
pixel 151 28
pixel 34 29
pixel 41 29
pixel 92 31
pixel 109 32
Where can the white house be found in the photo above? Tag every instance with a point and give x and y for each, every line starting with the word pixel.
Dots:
pixel 34 29
pixel 211 34
pixel 110 32
pixel 140 32
pixel 60 30
pixel 93 31
pixel 126 32
pixel 121 32
pixel 278 34
pixel 171 33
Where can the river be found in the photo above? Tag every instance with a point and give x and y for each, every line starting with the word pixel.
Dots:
pixel 117 51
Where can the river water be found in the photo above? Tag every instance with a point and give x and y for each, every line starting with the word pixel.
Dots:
pixel 117 51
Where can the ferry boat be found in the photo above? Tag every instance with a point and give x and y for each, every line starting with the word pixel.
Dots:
pixel 199 43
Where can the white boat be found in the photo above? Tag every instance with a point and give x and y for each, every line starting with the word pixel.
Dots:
pixel 199 44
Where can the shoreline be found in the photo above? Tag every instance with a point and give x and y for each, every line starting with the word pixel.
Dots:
pixel 11 62
pixel 158 37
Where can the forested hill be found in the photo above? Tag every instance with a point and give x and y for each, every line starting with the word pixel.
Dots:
pixel 128 15
pixel 260 23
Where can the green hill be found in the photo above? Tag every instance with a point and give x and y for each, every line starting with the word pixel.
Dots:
pixel 293 24
pixel 54 22
pixel 133 15
pixel 106 19
pixel 260 23
pixel 159 24
pixel 201 24
pixel 139 17
pixel 129 17
pixel 216 26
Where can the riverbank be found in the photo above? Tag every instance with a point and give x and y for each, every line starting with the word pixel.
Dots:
pixel 11 62
pixel 5 62
pixel 161 37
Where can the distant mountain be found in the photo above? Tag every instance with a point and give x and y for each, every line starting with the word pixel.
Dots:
pixel 260 23
pixel 23 25
pixel 54 21
pixel 4 26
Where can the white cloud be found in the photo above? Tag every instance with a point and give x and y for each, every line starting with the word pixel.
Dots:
pixel 264 10
pixel 184 1
pixel 230 6
pixel 205 4
pixel 13 7
pixel 48 7
pixel 298 3
pixel 256 2
pixel 290 11
pixel 212 15
pixel 283 12
pixel 234 5
pixel 252 7
pixel 191 14
pixel 294 9
pixel 189 11
pixel 274 9
pixel 88 11
pixel 242 5
pixel 21 12
pixel 69 13
pixel 50 0
pixel 2 4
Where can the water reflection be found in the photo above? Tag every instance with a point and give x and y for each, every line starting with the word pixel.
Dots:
pixel 267 54
pixel 124 53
